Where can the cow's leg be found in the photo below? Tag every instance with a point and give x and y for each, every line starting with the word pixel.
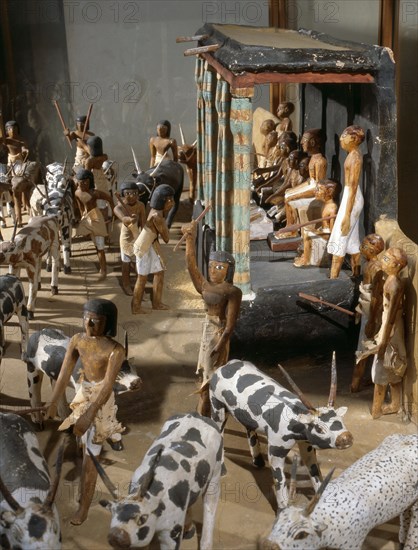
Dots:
pixel 33 278
pixel 34 378
pixel 277 455
pixel 66 247
pixel 210 504
pixel 17 199
pixel 22 315
pixel 171 540
pixel 48 262
pixel 309 458
pixel 219 415
pixel 10 206
pixel 408 532
pixel 255 449
pixel 54 252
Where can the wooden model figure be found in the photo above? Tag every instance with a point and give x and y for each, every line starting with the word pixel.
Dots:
pixel 371 246
pixel 345 237
pixel 148 252
pixel 94 410
pixel 17 148
pixel 80 134
pixel 92 222
pixel 162 143
pixel 94 163
pixel 267 128
pixel 388 345
pixel 312 144
pixel 325 191
pixel 131 212
pixel 188 156
pixel 222 301
pixel 284 110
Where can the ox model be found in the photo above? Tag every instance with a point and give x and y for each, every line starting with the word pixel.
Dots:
pixel 262 405
pixel 12 302
pixel 183 463
pixel 28 517
pixel 166 172
pixel 380 486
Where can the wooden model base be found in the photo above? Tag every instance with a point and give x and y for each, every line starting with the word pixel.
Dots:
pixel 280 245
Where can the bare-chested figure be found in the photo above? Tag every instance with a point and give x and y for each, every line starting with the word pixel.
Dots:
pixel 222 301
pixel 77 135
pixel 94 410
pixel 162 143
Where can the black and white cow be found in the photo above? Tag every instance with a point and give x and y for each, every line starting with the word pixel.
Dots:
pixel 28 517
pixel 183 463
pixel 12 302
pixel 377 488
pixel 45 354
pixel 262 405
pixel 166 172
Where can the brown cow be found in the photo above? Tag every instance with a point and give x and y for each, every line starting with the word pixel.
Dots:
pixel 36 239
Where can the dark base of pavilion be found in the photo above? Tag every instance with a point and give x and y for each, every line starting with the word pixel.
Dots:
pixel 278 320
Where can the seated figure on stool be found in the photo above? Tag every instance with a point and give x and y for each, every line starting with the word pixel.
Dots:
pixel 326 191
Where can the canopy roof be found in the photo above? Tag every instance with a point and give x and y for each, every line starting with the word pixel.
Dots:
pixel 245 49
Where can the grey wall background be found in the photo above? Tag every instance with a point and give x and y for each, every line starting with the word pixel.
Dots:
pixel 122 56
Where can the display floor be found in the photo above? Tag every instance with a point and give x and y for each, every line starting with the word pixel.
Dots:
pixel 164 347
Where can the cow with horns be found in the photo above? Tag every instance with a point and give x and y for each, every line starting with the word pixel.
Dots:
pixel 377 488
pixel 183 463
pixel 167 172
pixel 262 405
pixel 28 516
pixel 45 354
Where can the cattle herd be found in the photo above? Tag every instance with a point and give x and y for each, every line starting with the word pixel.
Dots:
pixel 186 461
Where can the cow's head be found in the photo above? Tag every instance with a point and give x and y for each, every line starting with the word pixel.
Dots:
pixel 134 517
pixel 35 526
pixel 324 426
pixel 295 528
pixel 187 153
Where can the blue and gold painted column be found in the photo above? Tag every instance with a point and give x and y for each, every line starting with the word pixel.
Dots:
pixel 241 127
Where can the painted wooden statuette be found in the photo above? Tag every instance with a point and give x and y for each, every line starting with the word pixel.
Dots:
pixel 314 240
pixel 94 409
pixel 222 301
pixel 388 344
pixel 148 251
pixel 301 196
pixel 131 212
pixel 371 246
pixel 162 144
pixel 81 132
pixel 284 110
pixel 92 222
pixel 345 237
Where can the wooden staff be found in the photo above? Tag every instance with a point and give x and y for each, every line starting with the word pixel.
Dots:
pixel 192 38
pixel 316 300
pixel 24 411
pixel 64 127
pixel 87 121
pixel 200 216
pixel 296 226
pixel 119 199
pixel 202 49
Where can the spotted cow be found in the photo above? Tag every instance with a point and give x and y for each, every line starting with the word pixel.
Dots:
pixel 260 404
pixel 28 517
pixel 377 488
pixel 45 354
pixel 183 463
pixel 12 302
pixel 37 238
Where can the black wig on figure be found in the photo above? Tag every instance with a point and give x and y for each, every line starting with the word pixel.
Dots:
pixel 100 306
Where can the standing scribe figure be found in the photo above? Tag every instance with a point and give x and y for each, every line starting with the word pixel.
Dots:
pixel 162 143
pixel 388 345
pixel 94 410
pixel 371 246
pixel 345 238
pixel 92 222
pixel 131 212
pixel 77 134
pixel 222 302
pixel 148 252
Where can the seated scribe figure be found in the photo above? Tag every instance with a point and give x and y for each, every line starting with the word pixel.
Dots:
pixel 314 240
